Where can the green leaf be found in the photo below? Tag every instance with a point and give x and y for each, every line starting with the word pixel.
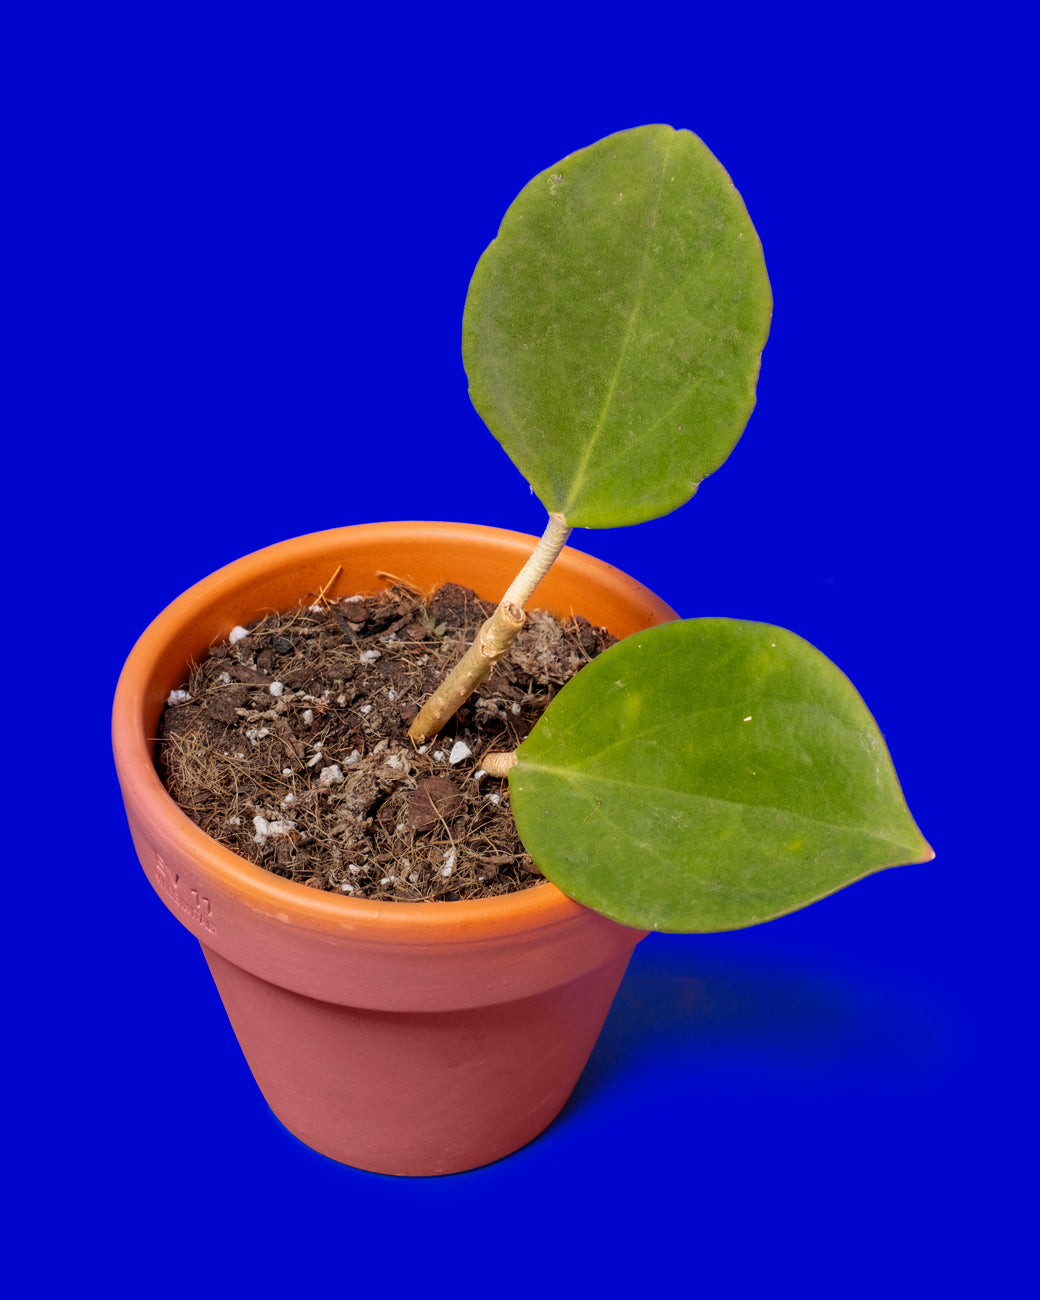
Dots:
pixel 707 775
pixel 613 329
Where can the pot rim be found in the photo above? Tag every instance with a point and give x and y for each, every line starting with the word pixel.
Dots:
pixel 540 905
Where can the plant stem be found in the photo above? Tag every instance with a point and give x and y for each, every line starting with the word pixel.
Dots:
pixel 498 763
pixel 493 639
pixel 551 543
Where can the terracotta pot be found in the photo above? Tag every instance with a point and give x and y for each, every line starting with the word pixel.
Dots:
pixel 404 1038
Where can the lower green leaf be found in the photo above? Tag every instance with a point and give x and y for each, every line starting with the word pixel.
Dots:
pixel 707 775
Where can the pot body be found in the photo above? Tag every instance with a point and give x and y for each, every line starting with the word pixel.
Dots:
pixel 403 1038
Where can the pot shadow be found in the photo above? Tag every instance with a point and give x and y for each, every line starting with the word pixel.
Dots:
pixel 746 1024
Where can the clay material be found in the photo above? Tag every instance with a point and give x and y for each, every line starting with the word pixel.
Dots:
pixel 403 1038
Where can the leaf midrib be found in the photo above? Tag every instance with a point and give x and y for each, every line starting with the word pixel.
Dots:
pixel 581 473
pixel 713 800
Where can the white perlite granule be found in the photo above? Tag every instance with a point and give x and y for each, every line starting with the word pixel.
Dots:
pixel 264 828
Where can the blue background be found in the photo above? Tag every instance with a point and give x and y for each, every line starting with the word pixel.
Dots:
pixel 242 254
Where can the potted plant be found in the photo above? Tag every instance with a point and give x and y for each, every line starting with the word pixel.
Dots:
pixel 699 775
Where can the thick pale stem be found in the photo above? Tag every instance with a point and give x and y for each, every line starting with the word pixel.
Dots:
pixel 551 543
pixel 498 763
pixel 493 639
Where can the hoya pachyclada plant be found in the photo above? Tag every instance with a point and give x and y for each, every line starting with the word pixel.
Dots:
pixel 708 773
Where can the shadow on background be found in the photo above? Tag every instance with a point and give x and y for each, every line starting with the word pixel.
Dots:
pixel 709 1020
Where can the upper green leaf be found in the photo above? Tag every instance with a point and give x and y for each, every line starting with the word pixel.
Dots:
pixel 613 329
pixel 707 775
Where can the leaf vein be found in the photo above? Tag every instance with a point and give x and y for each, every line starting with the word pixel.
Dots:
pixel 581 472
pixel 686 796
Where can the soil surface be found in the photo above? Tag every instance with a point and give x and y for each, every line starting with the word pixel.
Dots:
pixel 292 745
